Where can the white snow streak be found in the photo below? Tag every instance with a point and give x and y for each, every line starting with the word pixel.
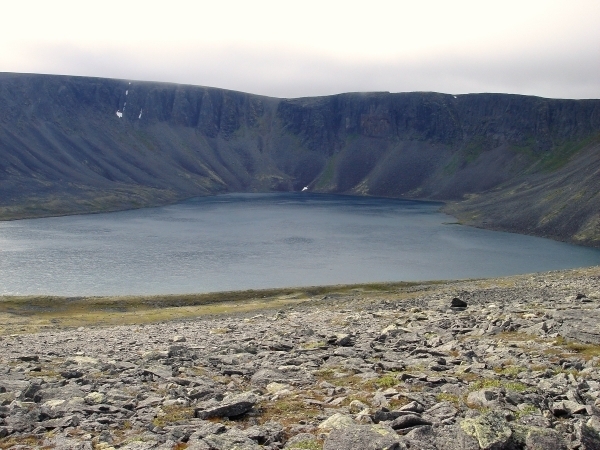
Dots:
pixel 119 114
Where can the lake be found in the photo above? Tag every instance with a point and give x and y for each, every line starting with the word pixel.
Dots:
pixel 254 241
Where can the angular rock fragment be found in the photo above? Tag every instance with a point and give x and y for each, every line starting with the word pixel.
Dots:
pixel 149 402
pixel 384 415
pixel 94 398
pixel 343 340
pixel 161 371
pixel 458 303
pixel 543 439
pixel 337 421
pixel 587 437
pixel 364 437
pixel 72 373
pixel 567 408
pixel 441 412
pixel 440 438
pixel 408 421
pixel 230 406
pixel 64 422
pixel 486 398
pixel 233 439
pixel 204 428
pixel 491 430
pixel 301 441
pixel 266 434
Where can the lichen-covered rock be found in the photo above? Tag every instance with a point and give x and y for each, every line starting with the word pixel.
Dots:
pixel 587 437
pixel 266 434
pixel 491 431
pixel 440 438
pixel 232 440
pixel 302 441
pixel 337 421
pixel 364 437
pixel 544 439
pixel 483 398
pixel 94 398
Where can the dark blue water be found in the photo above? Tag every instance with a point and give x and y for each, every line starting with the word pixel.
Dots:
pixel 244 241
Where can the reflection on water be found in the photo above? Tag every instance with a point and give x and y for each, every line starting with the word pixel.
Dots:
pixel 252 241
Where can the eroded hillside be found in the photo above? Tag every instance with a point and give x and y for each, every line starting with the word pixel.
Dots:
pixel 74 144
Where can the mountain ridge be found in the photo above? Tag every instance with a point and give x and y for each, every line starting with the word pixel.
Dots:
pixel 503 161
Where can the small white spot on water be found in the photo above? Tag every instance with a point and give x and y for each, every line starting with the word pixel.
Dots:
pixel 119 114
pixel 140 116
pixel 305 188
pixel 127 91
pixel 454 96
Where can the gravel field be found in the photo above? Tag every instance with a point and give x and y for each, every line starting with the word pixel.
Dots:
pixel 506 363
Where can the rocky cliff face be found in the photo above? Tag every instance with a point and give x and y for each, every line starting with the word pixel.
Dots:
pixel 72 144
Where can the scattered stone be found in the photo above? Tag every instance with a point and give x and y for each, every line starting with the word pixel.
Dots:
pixel 337 421
pixel 458 303
pixel 302 441
pixel 587 438
pixel 566 408
pixel 491 430
pixel 94 398
pixel 519 370
pixel 73 373
pixel 231 406
pixel 408 421
pixel 364 437
pixel 485 398
pixel 543 439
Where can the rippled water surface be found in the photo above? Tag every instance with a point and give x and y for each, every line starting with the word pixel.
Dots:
pixel 244 241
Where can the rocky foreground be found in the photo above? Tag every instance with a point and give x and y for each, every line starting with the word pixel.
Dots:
pixel 510 363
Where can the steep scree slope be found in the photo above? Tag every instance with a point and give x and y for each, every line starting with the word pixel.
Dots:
pixel 518 163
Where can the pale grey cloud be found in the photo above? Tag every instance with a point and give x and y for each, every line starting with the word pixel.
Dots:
pixel 548 48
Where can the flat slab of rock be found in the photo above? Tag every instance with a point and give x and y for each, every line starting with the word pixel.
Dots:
pixel 159 370
pixel 491 431
pixel 363 437
pixel 231 406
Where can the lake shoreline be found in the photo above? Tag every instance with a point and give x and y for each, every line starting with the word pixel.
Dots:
pixel 261 241
pixel 36 313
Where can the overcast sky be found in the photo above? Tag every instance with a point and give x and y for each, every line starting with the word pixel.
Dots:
pixel 289 48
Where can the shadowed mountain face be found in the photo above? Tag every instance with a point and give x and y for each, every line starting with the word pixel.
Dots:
pixel 524 164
